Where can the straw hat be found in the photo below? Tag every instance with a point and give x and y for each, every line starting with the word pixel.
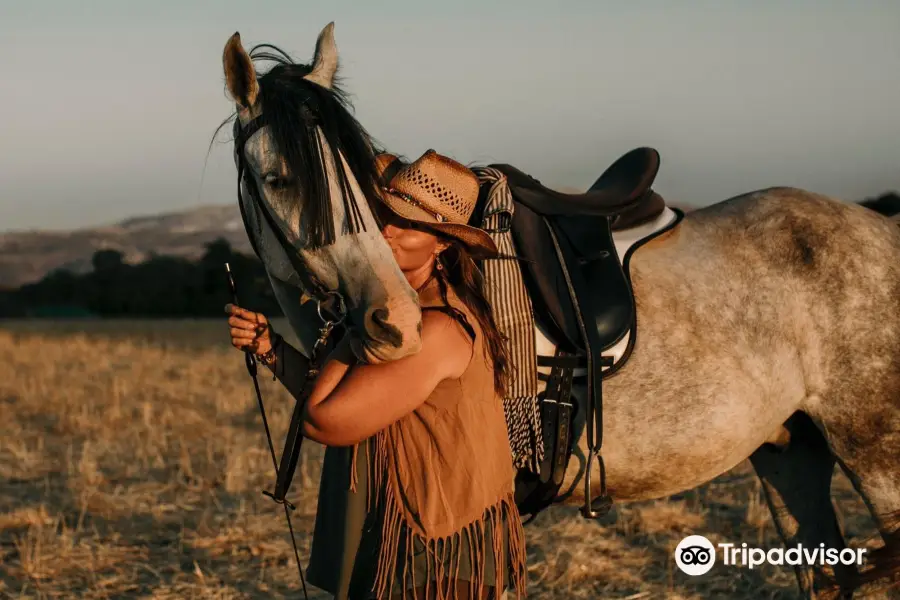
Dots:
pixel 438 192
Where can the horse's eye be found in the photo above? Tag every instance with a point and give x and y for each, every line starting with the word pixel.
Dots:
pixel 275 182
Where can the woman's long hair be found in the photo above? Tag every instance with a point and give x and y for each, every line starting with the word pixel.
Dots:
pixel 462 274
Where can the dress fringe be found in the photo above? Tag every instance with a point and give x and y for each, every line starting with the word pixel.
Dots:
pixel 439 550
pixel 354 480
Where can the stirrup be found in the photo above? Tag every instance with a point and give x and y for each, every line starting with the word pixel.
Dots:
pixel 597 508
pixel 602 504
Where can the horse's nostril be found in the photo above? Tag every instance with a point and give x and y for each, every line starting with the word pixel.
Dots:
pixel 378 328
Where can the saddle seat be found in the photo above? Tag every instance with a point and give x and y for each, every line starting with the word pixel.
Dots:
pixel 622 191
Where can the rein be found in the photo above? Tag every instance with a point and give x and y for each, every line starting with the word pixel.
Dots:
pixel 332 311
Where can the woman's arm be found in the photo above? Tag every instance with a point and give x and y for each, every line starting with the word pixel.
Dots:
pixel 351 402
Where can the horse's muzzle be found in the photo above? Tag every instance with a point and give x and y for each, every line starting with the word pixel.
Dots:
pixel 384 340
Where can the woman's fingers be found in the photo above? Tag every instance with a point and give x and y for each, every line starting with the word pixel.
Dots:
pixel 243 323
pixel 243 313
pixel 243 337
pixel 241 344
pixel 247 328
pixel 244 334
pixel 244 318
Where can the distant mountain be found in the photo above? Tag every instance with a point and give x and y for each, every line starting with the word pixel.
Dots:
pixel 27 256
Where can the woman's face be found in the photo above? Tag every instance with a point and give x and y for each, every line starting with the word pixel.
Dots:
pixel 414 247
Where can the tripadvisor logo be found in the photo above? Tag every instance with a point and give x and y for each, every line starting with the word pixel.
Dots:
pixel 696 555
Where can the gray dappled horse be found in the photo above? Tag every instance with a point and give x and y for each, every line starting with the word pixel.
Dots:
pixel 769 322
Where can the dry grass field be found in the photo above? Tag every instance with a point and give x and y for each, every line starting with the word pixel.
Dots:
pixel 132 457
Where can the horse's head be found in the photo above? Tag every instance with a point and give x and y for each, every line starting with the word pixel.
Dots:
pixel 308 174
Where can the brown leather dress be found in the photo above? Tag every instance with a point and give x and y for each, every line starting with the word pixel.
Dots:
pixel 429 500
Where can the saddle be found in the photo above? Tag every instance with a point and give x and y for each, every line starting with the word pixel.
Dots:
pixel 553 230
pixel 582 299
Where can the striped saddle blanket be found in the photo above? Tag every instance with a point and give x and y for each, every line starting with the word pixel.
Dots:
pixel 512 311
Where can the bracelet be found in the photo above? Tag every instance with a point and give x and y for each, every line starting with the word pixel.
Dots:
pixel 268 358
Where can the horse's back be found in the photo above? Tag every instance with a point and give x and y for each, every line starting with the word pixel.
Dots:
pixel 779 266
pixel 795 231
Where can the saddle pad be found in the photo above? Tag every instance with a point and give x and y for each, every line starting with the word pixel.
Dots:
pixel 512 311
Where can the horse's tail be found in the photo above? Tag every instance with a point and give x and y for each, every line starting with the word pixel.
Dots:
pixel 886 204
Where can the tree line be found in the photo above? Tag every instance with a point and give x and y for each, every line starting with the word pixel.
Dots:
pixel 173 287
pixel 160 287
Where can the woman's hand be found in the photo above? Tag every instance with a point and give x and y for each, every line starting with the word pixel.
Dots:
pixel 249 330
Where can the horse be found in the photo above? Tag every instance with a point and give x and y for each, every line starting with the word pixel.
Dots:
pixel 769 322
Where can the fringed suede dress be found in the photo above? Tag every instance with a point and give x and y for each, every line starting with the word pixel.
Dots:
pixel 430 499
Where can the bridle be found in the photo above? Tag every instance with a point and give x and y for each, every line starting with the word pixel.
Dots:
pixel 310 283
pixel 332 311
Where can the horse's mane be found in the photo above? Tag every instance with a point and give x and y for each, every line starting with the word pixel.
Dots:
pixel 295 108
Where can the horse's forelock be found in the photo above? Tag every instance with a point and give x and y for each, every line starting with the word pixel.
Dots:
pixel 303 120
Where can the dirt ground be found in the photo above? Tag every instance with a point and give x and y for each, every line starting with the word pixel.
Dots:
pixel 132 459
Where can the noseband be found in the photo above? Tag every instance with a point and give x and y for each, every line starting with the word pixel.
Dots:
pixel 332 311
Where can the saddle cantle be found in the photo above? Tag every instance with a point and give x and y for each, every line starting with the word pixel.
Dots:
pixel 582 299
pixel 618 189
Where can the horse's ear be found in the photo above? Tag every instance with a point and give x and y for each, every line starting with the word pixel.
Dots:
pixel 325 61
pixel 240 76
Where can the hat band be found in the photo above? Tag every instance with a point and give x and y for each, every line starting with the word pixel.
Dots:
pixel 410 200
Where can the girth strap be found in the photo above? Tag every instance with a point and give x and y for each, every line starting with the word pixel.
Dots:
pixel 557 402
pixel 557 416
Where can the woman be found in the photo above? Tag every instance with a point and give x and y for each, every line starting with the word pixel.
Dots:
pixel 422 505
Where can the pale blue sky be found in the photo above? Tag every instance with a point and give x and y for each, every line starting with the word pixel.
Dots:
pixel 108 107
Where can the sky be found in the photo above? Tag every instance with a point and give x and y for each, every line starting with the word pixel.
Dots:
pixel 109 107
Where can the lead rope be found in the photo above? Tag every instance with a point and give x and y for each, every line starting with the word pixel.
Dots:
pixel 251 367
pixel 312 373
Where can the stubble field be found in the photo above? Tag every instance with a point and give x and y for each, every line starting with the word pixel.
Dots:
pixel 132 459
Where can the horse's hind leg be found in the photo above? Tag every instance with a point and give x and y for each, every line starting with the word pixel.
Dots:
pixel 796 482
pixel 874 470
